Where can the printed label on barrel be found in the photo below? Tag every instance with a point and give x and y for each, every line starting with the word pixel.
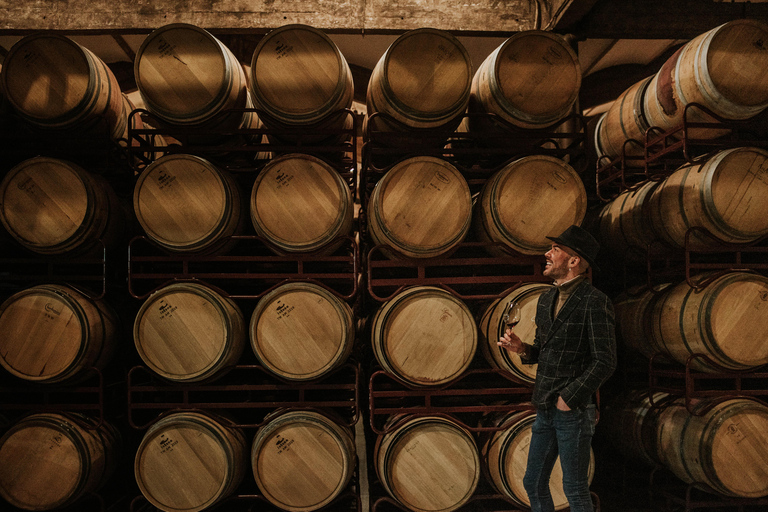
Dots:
pixel 166 310
pixel 282 49
pixel 167 444
pixel 439 181
pixel 283 444
pixel 283 310
pixel 164 179
pixel 283 179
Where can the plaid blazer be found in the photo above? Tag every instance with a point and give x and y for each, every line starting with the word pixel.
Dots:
pixel 576 351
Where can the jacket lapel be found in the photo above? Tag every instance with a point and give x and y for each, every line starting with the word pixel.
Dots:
pixel 568 308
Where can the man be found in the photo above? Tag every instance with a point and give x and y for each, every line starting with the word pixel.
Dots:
pixel 575 348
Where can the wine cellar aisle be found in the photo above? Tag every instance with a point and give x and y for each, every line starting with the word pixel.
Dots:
pixel 236 289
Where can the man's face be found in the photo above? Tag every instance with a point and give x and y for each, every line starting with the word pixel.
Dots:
pixel 558 258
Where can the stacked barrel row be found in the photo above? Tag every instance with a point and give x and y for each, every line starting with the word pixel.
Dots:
pixel 187 204
pixel 722 70
pixel 713 323
pixel 185 332
pixel 419 209
pixel 716 444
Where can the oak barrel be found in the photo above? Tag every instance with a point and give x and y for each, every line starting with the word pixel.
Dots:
pixel 421 208
pixel 52 333
pixel 724 321
pixel 188 77
pixel 725 446
pixel 301 331
pixel 726 194
pixel 299 78
pixel 505 454
pixel 188 332
pixel 491 327
pixel 531 81
pixel 52 82
pixel 428 463
pixel 527 200
pixel 300 203
pixel 49 460
pixel 302 460
pixel 189 461
pixel 724 69
pixel 665 423
pixel 424 336
pixel 625 230
pixel 629 423
pixel 186 204
pixel 634 316
pixel 621 129
pixel 422 81
pixel 53 206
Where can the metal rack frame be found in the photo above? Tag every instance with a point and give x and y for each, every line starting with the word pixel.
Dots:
pixel 250 266
pixel 87 272
pixel 144 144
pixel 465 395
pixel 684 381
pixel 254 502
pixel 470 272
pixel 247 390
pixel 665 151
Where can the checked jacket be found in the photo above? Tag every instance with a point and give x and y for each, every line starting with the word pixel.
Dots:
pixel 576 350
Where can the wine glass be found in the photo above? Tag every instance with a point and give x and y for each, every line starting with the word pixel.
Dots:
pixel 512 313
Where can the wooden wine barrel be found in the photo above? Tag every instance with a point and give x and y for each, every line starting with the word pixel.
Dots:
pixel 424 336
pixel 188 332
pixel 53 206
pixel 634 316
pixel 726 447
pixel 422 81
pixel 302 460
pixel 300 203
pixel 629 424
pixel 301 331
pixel 188 77
pixel 624 121
pixel 491 327
pixel 190 461
pixel 727 195
pixel 724 69
pixel 428 464
pixel 54 333
pixel 54 83
pixel 49 461
pixel 624 228
pixel 665 423
pixel 529 199
pixel 725 321
pixel 530 81
pixel 421 208
pixel 186 204
pixel 506 455
pixel 299 78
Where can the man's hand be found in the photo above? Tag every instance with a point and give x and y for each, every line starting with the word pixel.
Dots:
pixel 562 405
pixel 510 341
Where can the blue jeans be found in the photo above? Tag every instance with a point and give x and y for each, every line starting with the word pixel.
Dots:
pixel 568 434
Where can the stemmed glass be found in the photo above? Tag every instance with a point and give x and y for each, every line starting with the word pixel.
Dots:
pixel 512 313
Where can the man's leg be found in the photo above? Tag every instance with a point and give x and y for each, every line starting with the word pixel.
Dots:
pixel 542 455
pixel 574 436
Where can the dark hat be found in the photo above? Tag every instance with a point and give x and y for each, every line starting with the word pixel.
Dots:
pixel 581 241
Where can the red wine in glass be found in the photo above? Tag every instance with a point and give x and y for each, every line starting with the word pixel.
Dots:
pixel 512 313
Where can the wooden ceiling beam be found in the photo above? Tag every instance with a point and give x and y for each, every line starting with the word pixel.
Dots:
pixel 259 16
